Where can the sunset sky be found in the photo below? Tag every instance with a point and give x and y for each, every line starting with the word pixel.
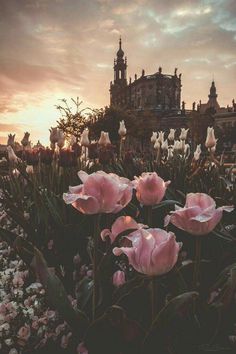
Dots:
pixel 52 49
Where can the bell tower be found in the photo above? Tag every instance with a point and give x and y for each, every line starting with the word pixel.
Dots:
pixel 120 66
pixel 118 87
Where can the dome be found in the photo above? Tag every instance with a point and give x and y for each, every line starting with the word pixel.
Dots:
pixel 120 52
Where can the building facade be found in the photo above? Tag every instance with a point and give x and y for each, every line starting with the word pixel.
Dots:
pixel 159 91
pixel 212 114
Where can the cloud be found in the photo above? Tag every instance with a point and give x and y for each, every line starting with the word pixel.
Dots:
pixel 65 48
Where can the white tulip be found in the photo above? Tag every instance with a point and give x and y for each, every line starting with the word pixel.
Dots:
pixel 11 155
pixel 157 145
pixel 183 134
pixel 25 140
pixel 164 145
pixel 61 139
pixel 108 141
pixel 53 135
pixel 171 135
pixel 197 152
pixel 103 139
pixel 84 138
pixel 11 139
pixel 210 139
pixel 154 137
pixel 177 146
pixel 122 130
pixel 161 137
pixel 16 172
pixel 29 169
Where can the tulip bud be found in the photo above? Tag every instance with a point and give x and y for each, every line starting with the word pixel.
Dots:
pixel 118 278
pixel 102 140
pixel 108 141
pixel 157 145
pixel 53 136
pixel 210 139
pixel 61 139
pixel 171 135
pixel 161 137
pixel 122 130
pixel 29 169
pixel 177 146
pixel 154 137
pixel 16 172
pixel 25 140
pixel 183 134
pixel 197 152
pixel 10 140
pixel 84 138
pixel 11 155
pixel 164 145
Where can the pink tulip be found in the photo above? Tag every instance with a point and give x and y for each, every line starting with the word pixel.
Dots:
pixel 199 215
pixel 153 251
pixel 118 278
pixel 100 193
pixel 121 224
pixel 150 188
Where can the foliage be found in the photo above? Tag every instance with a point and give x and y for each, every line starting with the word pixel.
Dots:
pixel 56 235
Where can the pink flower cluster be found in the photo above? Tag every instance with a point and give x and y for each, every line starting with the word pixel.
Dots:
pixel 108 193
pixel 26 322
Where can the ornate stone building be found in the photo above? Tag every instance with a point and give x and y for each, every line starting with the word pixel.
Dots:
pixel 159 91
pixel 212 114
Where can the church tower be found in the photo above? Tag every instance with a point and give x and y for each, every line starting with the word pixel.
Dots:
pixel 117 88
pixel 212 101
pixel 120 66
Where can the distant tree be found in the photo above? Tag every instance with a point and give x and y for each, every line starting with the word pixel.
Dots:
pixel 109 121
pixel 73 120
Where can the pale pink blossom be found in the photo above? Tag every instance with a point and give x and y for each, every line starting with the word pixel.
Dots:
pixel 153 251
pixel 100 193
pixel 150 188
pixel 199 216
pixel 121 224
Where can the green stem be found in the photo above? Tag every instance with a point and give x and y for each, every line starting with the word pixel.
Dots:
pixel 197 262
pixel 153 297
pixel 96 235
pixel 149 215
pixel 121 145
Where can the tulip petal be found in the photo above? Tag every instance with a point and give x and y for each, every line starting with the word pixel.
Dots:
pixel 86 204
pixel 105 233
pixel 83 176
pixel 199 199
pixel 76 189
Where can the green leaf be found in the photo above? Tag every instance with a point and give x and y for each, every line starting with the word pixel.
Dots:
pixel 114 333
pixel 55 291
pixel 164 327
pixel 166 203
